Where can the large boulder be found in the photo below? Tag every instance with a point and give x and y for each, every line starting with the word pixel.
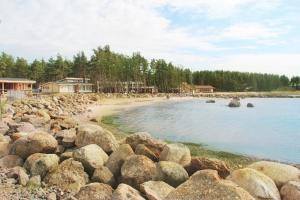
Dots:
pixel 91 156
pixel 22 127
pixel 41 164
pixel 18 173
pixel 171 173
pixel 103 175
pixel 95 191
pixel 153 144
pixel 68 123
pixel 156 190
pixel 137 169
pixel 11 161
pixel 290 191
pixel 207 185
pixel 234 103
pixel 4 148
pixel 66 137
pixel 278 172
pixel 39 142
pixel 18 135
pixel 69 176
pixel 117 158
pixel 178 153
pixel 200 163
pixel 142 149
pixel 94 134
pixel 126 192
pixel 3 127
pixel 44 115
pixel 256 183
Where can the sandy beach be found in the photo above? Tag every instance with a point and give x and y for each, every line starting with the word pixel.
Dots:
pixel 110 106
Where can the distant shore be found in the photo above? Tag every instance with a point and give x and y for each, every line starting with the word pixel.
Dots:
pixel 271 94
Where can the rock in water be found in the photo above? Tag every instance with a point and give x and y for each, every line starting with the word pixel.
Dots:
pixel 256 183
pixel 94 191
pixel 178 153
pixel 210 101
pixel 156 190
pixel 171 173
pixel 207 185
pixel 290 191
pixel 91 156
pixel 94 134
pixel 41 164
pixel 117 158
pixel 278 172
pixel 39 142
pixel 200 163
pixel 250 105
pixel 137 169
pixel 234 103
pixel 69 176
pixel 126 192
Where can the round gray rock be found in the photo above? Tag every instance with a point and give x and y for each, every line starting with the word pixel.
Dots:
pixel 171 173
pixel 137 169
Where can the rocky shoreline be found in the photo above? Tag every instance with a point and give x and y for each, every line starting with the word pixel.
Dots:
pixel 45 153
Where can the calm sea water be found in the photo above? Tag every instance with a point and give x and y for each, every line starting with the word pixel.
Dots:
pixel 270 130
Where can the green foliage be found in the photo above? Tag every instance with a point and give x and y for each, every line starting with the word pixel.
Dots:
pixel 107 68
pixel 240 81
pixel 295 81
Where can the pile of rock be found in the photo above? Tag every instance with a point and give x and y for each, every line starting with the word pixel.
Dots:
pixel 85 161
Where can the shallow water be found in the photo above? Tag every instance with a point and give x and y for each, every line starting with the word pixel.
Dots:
pixel 269 130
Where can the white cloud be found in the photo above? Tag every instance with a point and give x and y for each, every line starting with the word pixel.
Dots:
pixel 220 8
pixel 250 31
pixel 69 26
pixel 276 63
pixel 42 28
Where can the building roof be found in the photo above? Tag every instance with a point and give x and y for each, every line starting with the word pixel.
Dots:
pixel 204 87
pixel 16 80
pixel 67 83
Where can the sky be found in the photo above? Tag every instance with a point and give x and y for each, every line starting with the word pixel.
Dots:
pixel 238 35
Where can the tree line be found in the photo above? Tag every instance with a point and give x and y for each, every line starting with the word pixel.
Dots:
pixel 105 67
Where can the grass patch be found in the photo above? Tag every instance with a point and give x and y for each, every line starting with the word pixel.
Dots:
pixel 234 161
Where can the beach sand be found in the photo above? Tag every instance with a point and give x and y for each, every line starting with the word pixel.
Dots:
pixel 111 106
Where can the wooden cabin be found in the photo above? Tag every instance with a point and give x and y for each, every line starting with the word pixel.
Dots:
pixel 68 85
pixel 203 89
pixel 125 87
pixel 16 84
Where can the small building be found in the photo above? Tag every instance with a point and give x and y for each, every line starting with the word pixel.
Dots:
pixel 68 85
pixel 16 84
pixel 126 87
pixel 203 89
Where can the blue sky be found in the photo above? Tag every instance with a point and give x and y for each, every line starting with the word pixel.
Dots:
pixel 244 35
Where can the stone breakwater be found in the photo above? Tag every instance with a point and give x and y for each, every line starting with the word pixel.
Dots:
pixel 46 154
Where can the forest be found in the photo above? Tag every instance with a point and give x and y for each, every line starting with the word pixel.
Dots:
pixel 105 66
